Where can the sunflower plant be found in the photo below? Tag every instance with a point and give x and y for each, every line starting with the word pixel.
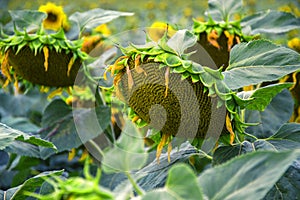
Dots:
pixel 45 47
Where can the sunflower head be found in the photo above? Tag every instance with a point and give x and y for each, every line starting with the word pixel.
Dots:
pixel 56 17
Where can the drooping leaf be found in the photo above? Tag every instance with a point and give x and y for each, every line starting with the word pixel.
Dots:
pixel 271 21
pixel 288 186
pixel 95 17
pixel 225 153
pixel 287 137
pixel 251 63
pixel 31 20
pixel 30 185
pixel 128 152
pixel 20 123
pixel 68 128
pixel 223 10
pixel 182 40
pixel 159 194
pixel 250 176
pixel 261 97
pixel 273 117
pixel 181 184
pixel 21 143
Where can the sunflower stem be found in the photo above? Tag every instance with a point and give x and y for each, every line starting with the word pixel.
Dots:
pixel 137 188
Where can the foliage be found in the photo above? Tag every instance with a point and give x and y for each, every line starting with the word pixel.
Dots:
pixel 44 141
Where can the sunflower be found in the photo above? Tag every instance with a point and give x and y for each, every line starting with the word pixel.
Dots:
pixel 157 30
pixel 103 29
pixel 56 17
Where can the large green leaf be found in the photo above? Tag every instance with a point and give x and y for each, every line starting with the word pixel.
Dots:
pixel 261 97
pixel 288 186
pixel 250 176
pixel 182 40
pixel 287 137
pixel 20 123
pixel 259 61
pixel 59 125
pixel 270 21
pixel 93 18
pixel 21 143
pixel 273 117
pixel 223 10
pixel 128 152
pixel 181 184
pixel 30 185
pixel 31 20
pixel 225 153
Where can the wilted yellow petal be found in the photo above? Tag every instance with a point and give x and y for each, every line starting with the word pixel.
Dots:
pixel 167 75
pixel 56 92
pixel 229 39
pixel 212 38
pixel 130 79
pixel 46 56
pixel 248 88
pixel 72 154
pixel 70 64
pixel 5 67
pixel 229 128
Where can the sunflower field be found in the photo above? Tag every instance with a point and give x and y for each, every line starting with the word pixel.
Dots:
pixel 150 100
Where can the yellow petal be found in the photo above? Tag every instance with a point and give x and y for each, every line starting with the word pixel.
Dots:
pixel 46 56
pixel 70 64
pixel 72 154
pixel 167 75
pixel 212 39
pixel 56 92
pixel 130 79
pixel 5 67
pixel 229 128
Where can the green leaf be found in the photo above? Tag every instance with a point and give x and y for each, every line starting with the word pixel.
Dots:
pixel 223 10
pixel 9 135
pixel 20 123
pixel 261 97
pixel 288 186
pixel 271 21
pixel 287 137
pixel 249 176
pixel 95 17
pixel 181 184
pixel 30 185
pixel 67 128
pixel 225 153
pixel 159 194
pixel 128 153
pixel 251 63
pixel 182 40
pixel 185 185
pixel 273 117
pixel 30 20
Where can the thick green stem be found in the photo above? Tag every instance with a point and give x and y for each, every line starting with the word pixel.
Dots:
pixel 136 187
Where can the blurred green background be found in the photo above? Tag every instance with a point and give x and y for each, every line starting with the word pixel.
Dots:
pixel 179 13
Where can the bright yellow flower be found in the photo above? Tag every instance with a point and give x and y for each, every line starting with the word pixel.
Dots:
pixel 56 17
pixel 103 29
pixel 157 30
pixel 294 44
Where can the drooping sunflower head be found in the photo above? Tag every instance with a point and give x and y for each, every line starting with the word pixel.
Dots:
pixel 56 17
pixel 156 80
